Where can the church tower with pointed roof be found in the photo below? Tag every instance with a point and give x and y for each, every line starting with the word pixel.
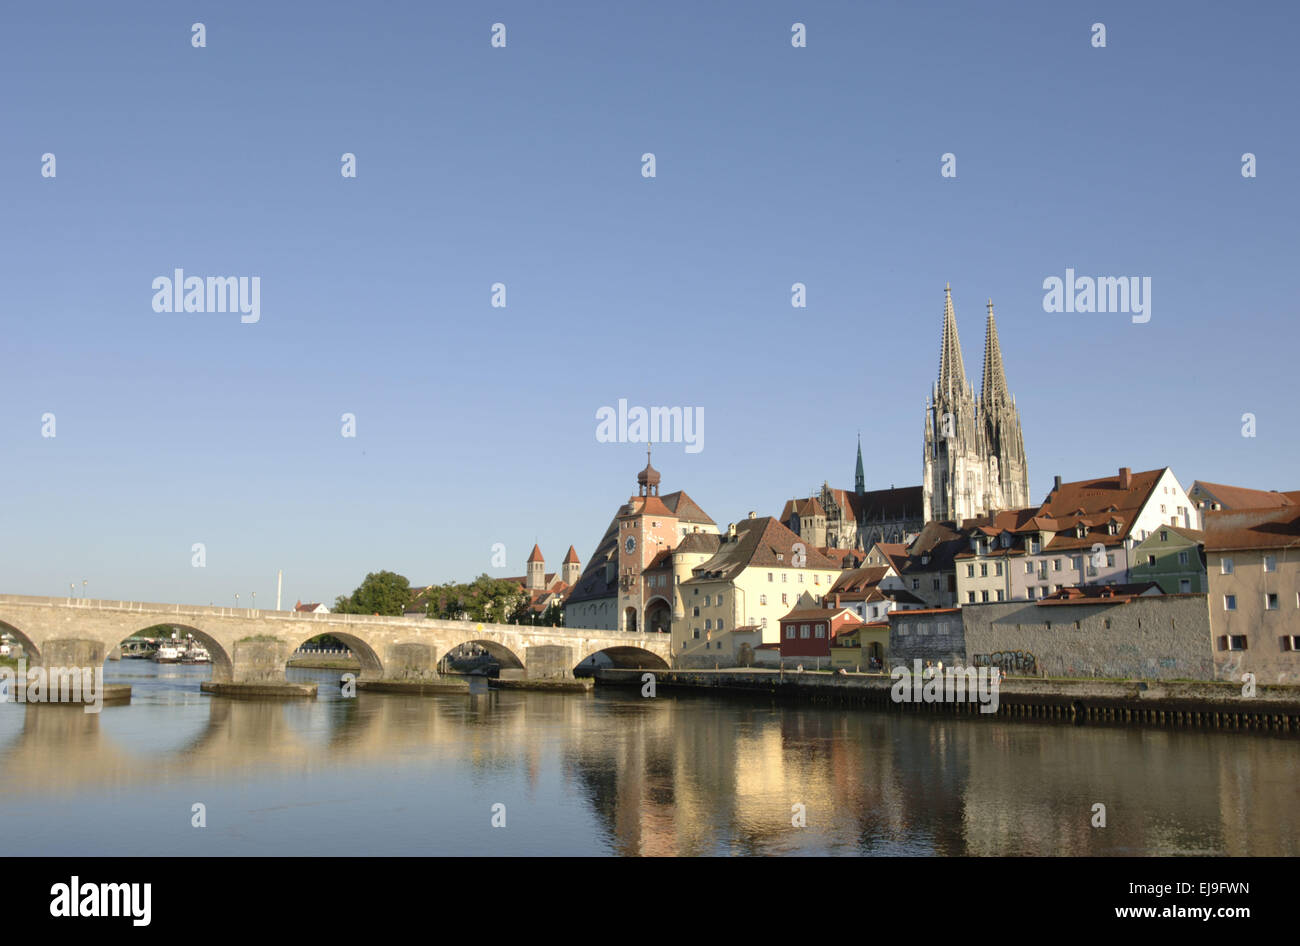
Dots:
pixel 952 473
pixel 1007 479
pixel 974 450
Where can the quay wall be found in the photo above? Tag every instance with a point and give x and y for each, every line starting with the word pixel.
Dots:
pixel 1204 705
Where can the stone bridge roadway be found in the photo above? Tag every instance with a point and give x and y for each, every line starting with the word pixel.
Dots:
pixel 252 647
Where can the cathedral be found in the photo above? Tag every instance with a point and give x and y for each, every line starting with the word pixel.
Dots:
pixel 974 450
pixel 974 460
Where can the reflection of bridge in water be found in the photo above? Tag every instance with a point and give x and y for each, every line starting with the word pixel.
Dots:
pixel 252 648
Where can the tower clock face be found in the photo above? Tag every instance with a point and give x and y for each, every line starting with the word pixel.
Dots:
pixel 630 544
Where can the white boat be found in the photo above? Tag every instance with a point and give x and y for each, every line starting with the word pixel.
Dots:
pixel 168 654
pixel 196 654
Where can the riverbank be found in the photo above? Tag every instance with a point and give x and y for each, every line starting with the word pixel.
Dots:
pixel 1114 702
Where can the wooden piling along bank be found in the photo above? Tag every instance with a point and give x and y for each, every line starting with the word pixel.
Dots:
pixel 1180 705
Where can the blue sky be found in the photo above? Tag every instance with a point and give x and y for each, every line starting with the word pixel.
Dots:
pixel 521 165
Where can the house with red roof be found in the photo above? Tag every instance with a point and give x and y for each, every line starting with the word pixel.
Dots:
pixel 1083 533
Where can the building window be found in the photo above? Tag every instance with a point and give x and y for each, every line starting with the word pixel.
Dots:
pixel 1184 586
pixel 695 611
pixel 697 633
pixel 935 584
pixel 789 632
pixel 784 598
pixel 1029 568
pixel 984 570
pixel 1235 642
pixel 719 627
pixel 1270 602
pixel 1056 564
pixel 1030 592
pixel 970 597
pixel 821 630
pixel 1270 563
pixel 984 596
pixel 1230 602
pixel 708 624
pixel 997 569
pixel 801 578
pixel 762 599
pixel 916 584
pixel 1151 561
pixel 784 577
pixel 803 630
pixel 1182 558
pixel 769 576
pixel 999 594
pixel 1164 535
pixel 970 571
pixel 1291 642
pixel 1110 561
pixel 1225 566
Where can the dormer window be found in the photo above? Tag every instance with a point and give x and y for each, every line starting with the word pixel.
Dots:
pixel 1081 531
pixel 1112 528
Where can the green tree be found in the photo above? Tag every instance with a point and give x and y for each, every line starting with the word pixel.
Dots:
pixel 483 599
pixel 385 593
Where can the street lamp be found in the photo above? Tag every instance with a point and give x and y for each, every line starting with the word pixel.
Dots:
pixel 236 599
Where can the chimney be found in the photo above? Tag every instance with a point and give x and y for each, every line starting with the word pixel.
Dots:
pixel 1125 478
pixel 731 530
pixel 1057 487
pixel 751 514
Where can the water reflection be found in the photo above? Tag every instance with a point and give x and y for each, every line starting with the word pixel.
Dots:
pixel 614 773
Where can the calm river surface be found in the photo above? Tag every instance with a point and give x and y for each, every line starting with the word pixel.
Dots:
pixel 612 773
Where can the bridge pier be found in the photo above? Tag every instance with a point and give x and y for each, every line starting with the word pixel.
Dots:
pixel 257 670
pixel 59 661
pixel 548 662
pixel 413 668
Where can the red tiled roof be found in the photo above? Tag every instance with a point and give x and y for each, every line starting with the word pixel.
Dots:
pixel 1274 528
pixel 536 555
pixel 572 557
pixel 1240 497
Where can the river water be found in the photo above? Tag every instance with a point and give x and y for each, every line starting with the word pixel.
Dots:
pixel 611 773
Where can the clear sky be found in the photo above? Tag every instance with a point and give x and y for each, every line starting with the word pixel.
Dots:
pixel 476 425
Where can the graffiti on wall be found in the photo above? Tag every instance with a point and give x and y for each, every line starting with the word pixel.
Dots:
pixel 1012 661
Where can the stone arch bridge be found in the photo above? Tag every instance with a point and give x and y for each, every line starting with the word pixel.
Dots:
pixel 252 647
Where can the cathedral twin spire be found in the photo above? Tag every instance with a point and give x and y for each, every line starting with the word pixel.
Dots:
pixel 974 450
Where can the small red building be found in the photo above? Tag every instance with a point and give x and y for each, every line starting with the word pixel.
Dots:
pixel 807 631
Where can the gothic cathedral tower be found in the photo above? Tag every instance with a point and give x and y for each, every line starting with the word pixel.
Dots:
pixel 1007 471
pixel 974 451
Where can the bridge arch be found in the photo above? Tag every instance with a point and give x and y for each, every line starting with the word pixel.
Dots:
pixel 628 656
pixel 30 650
pixel 222 666
pixel 372 667
pixel 504 656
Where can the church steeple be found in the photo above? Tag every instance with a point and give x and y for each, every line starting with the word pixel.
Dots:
pixel 993 387
pixel 859 478
pixel 952 372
